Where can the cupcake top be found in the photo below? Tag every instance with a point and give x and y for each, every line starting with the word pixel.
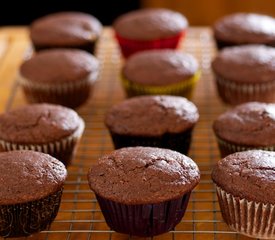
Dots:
pixel 249 175
pixel 160 67
pixel 251 124
pixel 152 116
pixel 65 29
pixel 143 175
pixel 60 66
pixel 38 123
pixel 245 28
pixel 248 64
pixel 29 176
pixel 150 24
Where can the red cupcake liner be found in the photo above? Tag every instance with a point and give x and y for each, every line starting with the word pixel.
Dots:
pixel 129 46
pixel 144 220
pixel 20 220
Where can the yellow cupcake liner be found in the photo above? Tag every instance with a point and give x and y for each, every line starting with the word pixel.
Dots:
pixel 55 148
pixel 227 148
pixel 183 88
pixel 250 218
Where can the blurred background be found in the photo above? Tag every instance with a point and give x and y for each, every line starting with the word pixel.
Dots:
pixel 198 12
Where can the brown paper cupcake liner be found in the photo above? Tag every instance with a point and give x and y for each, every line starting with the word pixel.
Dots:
pixel 70 94
pixel 144 220
pixel 19 220
pixel 184 88
pixel 179 142
pixel 88 47
pixel 249 218
pixel 227 148
pixel 62 150
pixel 236 93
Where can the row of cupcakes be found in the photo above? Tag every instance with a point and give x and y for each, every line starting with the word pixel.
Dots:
pixel 159 163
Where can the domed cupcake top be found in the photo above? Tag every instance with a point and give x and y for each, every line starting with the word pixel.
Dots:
pixel 28 176
pixel 65 28
pixel 160 67
pixel 38 123
pixel 141 175
pixel 60 66
pixel 250 63
pixel 250 124
pixel 249 175
pixel 245 28
pixel 152 116
pixel 150 24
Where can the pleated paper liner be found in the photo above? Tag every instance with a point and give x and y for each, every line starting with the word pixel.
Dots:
pixel 183 88
pixel 69 94
pixel 19 220
pixel 130 46
pixel 227 148
pixel 235 93
pixel 249 218
pixel 144 220
pixel 179 142
pixel 63 149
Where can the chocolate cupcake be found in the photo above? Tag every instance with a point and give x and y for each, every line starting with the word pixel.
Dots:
pixel 245 184
pixel 143 191
pixel 65 30
pixel 244 28
pixel 245 74
pixel 157 121
pixel 247 126
pixel 160 72
pixel 60 76
pixel 51 129
pixel 30 193
pixel 145 29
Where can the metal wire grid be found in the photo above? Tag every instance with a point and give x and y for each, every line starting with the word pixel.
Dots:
pixel 79 215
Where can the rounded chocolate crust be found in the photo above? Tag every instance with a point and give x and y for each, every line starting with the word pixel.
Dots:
pixel 57 66
pixel 38 123
pixel 65 29
pixel 245 28
pixel 246 64
pixel 143 175
pixel 150 24
pixel 29 176
pixel 152 116
pixel 249 175
pixel 160 67
pixel 251 124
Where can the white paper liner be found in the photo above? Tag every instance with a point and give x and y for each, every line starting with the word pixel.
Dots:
pixel 250 218
pixel 51 148
pixel 58 87
pixel 225 146
pixel 235 93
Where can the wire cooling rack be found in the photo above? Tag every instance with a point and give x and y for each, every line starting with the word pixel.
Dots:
pixel 79 216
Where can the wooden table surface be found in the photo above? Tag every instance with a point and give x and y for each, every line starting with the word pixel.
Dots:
pixel 79 216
